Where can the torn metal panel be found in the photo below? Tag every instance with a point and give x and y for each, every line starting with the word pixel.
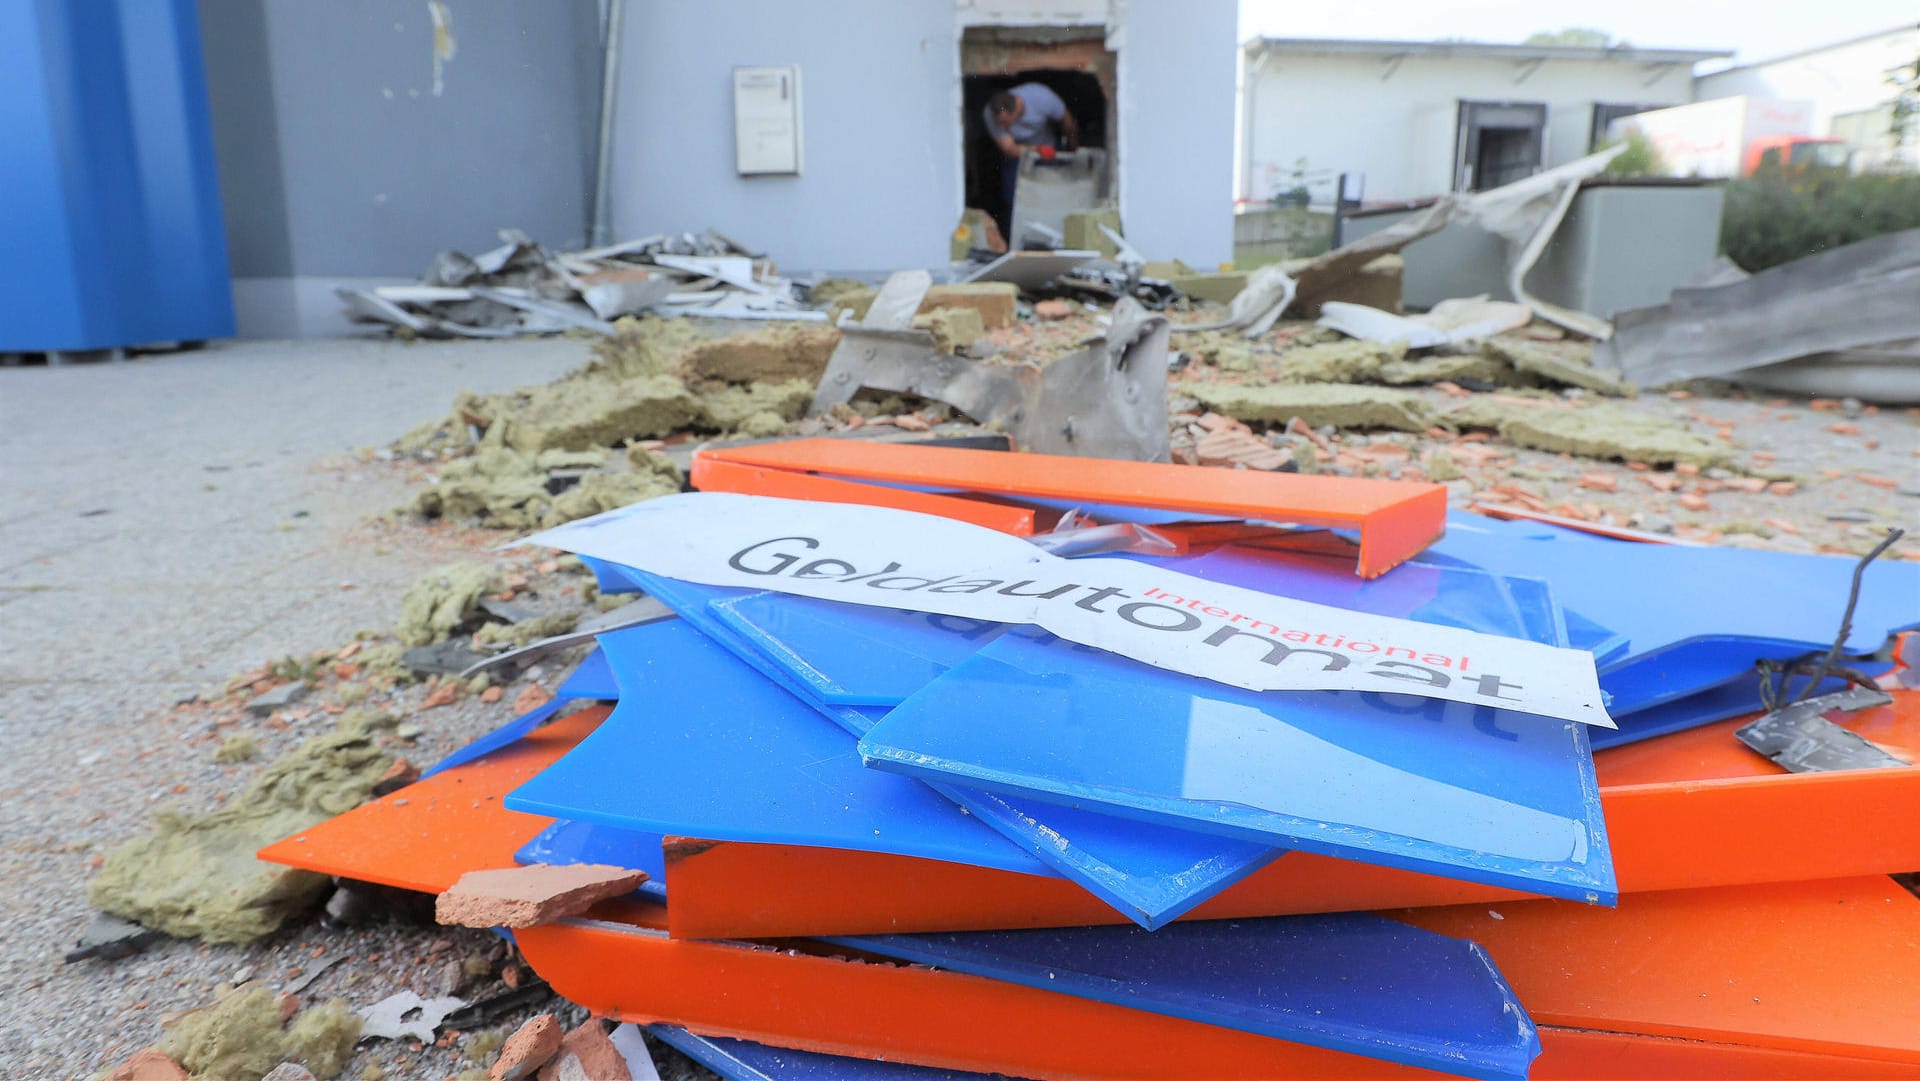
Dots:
pixel 614 293
pixel 898 301
pixel 1106 401
pixel 1800 738
pixel 1842 299
pixel 1032 271
pixel 1888 374
pixel 553 310
pixel 1525 214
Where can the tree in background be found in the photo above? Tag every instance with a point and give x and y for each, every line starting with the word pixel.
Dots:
pixel 1905 123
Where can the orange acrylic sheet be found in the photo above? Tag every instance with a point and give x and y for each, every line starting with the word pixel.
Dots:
pixel 623 963
pixel 1684 810
pixel 620 965
pixel 719 475
pixel 426 835
pixel 1828 967
pixel 1396 519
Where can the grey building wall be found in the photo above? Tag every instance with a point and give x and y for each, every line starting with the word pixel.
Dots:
pixel 880 100
pixel 1176 94
pixel 338 160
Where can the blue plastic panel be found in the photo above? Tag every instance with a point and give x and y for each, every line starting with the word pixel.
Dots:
pixel 1738 696
pixel 744 1060
pixel 1695 616
pixel 701 745
pixel 1460 791
pixel 1150 874
pixel 591 680
pixel 1352 982
pixel 853 654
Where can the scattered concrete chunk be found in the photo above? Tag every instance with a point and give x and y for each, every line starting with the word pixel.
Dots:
pixel 528 1049
pixel 587 1053
pixel 531 895
pixel 1316 404
pixel 284 695
pixel 110 938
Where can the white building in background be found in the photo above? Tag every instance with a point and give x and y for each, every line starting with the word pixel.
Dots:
pixel 1420 118
pixel 1848 85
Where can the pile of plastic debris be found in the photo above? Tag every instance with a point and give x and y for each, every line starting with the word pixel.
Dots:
pixel 960 747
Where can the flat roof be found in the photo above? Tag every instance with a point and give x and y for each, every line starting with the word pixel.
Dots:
pixel 1841 44
pixel 1481 49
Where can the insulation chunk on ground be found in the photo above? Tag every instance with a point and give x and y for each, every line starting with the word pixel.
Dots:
pixel 442 599
pixel 1316 404
pixel 773 355
pixel 196 875
pixel 727 407
pixel 243 1037
pixel 1463 368
pixel 1339 362
pixel 953 329
pixel 1556 366
pixel 1609 431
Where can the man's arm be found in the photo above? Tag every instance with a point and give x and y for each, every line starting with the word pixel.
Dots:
pixel 1070 129
pixel 1004 141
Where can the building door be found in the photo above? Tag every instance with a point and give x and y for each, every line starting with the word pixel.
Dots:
pixel 1498 142
pixel 1073 62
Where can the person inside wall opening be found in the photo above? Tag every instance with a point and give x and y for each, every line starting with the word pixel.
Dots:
pixel 1028 116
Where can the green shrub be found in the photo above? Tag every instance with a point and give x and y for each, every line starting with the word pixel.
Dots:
pixel 1772 220
pixel 1640 158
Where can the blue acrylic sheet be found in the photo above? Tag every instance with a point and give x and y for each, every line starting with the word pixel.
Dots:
pixel 1150 874
pixel 744 1060
pixel 1455 790
pixel 702 746
pixel 1694 617
pixel 591 680
pixel 1734 698
pixel 1352 982
pixel 567 842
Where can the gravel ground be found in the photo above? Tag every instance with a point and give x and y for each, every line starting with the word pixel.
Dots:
pixel 171 523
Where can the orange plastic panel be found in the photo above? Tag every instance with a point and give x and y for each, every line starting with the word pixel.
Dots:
pixel 713 474
pixel 878 1009
pixel 1690 809
pixel 1396 519
pixel 428 834
pixel 1819 967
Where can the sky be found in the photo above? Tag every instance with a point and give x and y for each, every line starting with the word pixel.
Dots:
pixel 1753 31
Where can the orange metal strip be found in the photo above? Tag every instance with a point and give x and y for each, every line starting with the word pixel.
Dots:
pixel 1396 519
pixel 1819 967
pixel 1681 812
pixel 715 474
pixel 1506 513
pixel 428 834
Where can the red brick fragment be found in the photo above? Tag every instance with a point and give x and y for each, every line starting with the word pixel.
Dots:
pixel 531 697
pixel 531 895
pixel 587 1052
pixel 528 1049
pixel 1600 482
pixel 149 1065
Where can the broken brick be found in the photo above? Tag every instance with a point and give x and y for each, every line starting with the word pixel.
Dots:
pixel 1600 482
pixel 531 697
pixel 493 694
pixel 1876 481
pixel 532 1046
pixel 149 1065
pixel 1052 309
pixel 443 695
pixel 1783 487
pixel 531 895
pixel 587 1052
pixel 1844 429
pixel 1694 501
